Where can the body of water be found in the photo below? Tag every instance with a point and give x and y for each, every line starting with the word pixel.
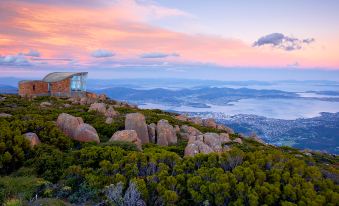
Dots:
pixel 288 109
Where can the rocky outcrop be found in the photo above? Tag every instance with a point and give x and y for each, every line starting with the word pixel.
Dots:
pixel 5 115
pixel 187 131
pixel 127 136
pixel 209 123
pixel 86 133
pixel 181 117
pixel 208 142
pixel 238 140
pixel 32 138
pixel 166 134
pixel 213 141
pixel 136 121
pixel 225 129
pixel 152 132
pixel 98 107
pixel 102 97
pixel 110 112
pixel 195 120
pixel 68 123
pixel 75 128
pixel 225 138
pixel 102 109
pixel 197 147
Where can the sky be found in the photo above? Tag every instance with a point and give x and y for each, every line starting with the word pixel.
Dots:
pixel 171 38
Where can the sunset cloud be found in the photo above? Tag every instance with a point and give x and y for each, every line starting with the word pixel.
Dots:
pixel 92 32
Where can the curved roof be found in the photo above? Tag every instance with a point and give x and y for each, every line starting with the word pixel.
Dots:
pixel 59 76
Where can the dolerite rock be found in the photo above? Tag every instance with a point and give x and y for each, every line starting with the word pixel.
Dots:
pixel 32 138
pixel 237 140
pixel 98 107
pixel 136 121
pixel 187 131
pixel 165 133
pixel 195 120
pixel 224 138
pixel 83 101
pixel 213 141
pixel 152 132
pixel 45 104
pixel 68 123
pixel 110 112
pixel 67 105
pixel 209 123
pixel 86 133
pixel 5 115
pixel 102 97
pixel 224 128
pixel 197 147
pixel 176 129
pixel 127 136
pixel 109 120
pixel 181 117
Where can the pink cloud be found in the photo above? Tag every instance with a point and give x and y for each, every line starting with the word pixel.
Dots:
pixel 68 31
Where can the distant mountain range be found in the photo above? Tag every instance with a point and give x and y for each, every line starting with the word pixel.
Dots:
pixel 7 89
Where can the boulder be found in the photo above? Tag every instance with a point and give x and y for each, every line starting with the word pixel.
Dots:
pixel 98 107
pixel 32 138
pixel 209 123
pixel 109 120
pixel 5 115
pixel 110 112
pixel 68 123
pixel 136 121
pixel 182 117
pixel 86 133
pixel 195 120
pixel 45 104
pixel 165 133
pixel 67 105
pixel 237 140
pixel 127 136
pixel 224 138
pixel 224 128
pixel 102 97
pixel 189 130
pixel 152 132
pixel 83 101
pixel 213 141
pixel 197 147
pixel 176 129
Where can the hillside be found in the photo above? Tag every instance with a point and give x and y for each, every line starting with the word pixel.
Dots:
pixel 46 160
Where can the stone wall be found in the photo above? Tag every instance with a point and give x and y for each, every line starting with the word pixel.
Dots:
pixel 61 88
pixel 33 88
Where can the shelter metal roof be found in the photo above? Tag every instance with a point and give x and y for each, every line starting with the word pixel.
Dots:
pixel 59 76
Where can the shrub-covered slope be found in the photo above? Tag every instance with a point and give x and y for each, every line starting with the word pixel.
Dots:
pixel 61 171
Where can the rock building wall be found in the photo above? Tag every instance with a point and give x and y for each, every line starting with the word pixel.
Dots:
pixel 33 88
pixel 61 88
